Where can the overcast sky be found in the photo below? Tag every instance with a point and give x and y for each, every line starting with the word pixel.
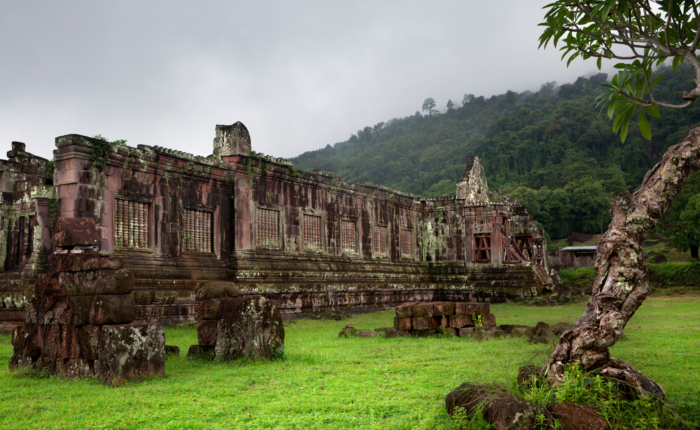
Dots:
pixel 298 74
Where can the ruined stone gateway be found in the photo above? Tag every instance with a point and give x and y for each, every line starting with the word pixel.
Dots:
pixel 306 241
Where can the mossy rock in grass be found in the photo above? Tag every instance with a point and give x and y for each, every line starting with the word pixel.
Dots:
pixel 201 352
pixel 348 331
pixel 490 332
pixel 573 416
pixel 542 334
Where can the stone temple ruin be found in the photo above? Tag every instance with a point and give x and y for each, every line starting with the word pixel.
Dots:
pixel 304 241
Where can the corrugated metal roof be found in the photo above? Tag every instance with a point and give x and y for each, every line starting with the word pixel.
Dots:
pixel 579 248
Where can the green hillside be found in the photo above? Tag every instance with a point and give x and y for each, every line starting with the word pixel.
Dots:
pixel 551 150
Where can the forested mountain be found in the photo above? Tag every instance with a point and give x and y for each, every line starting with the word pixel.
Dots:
pixel 551 149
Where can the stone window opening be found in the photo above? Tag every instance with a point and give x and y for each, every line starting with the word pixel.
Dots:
pixel 268 227
pixel 406 243
pixel 482 248
pixel 131 224
pixel 379 239
pixel 197 229
pixel 348 237
pixel 312 233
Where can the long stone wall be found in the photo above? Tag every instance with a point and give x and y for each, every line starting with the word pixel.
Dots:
pixel 307 241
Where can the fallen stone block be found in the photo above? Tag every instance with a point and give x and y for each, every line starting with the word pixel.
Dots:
pixel 172 350
pixel 364 333
pixel 84 261
pixel 426 333
pixel 253 329
pixel 469 308
pixel 488 320
pixel 404 324
pixel 70 232
pixel 100 282
pixel 466 331
pixel 201 352
pixel 459 321
pixel 404 310
pixel 516 330
pixel 216 290
pixel 467 396
pixel 423 323
pixel 390 334
pixel 443 308
pixel 529 375
pixel 423 310
pixel 487 332
pixel 573 416
pixel 542 333
pixel 451 330
pixel 347 331
pixel 132 351
pixel 213 309
pixel 510 412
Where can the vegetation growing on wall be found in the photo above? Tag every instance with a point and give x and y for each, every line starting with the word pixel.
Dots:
pixel 103 147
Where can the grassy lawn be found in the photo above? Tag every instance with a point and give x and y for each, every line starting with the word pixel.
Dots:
pixel 329 383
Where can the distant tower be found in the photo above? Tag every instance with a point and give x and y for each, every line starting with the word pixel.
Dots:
pixel 473 187
pixel 232 140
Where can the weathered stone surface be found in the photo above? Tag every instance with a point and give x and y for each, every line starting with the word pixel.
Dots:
pixel 253 328
pixel 404 310
pixel 488 320
pixel 130 352
pixel 96 282
pixel 207 332
pixel 472 308
pixel 573 416
pixel 203 352
pixel 390 334
pixel 101 309
pixel 70 232
pixel 404 324
pixel 423 310
pixel 77 368
pixel 443 308
pixel 467 396
pixel 516 330
pixel 466 331
pixel 423 323
pixel 542 333
pixel 425 333
pixel 84 261
pixel 528 375
pixel 459 321
pixel 48 310
pixel 347 331
pixel 511 413
pixel 487 332
pixel 25 346
pixel 364 333
pixel 216 290
pixel 172 350
pixel 213 309
pixel 451 330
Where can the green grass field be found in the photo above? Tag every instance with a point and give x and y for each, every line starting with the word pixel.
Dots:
pixel 330 383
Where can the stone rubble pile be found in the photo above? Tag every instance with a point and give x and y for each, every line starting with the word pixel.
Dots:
pixel 458 318
pixel 234 326
pixel 79 319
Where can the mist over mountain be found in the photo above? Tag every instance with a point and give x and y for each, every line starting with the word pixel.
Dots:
pixel 550 149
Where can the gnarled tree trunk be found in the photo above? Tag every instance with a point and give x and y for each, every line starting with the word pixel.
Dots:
pixel 622 283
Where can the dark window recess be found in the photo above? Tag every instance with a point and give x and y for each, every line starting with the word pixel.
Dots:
pixel 268 231
pixel 348 236
pixel 131 224
pixel 312 232
pixel 379 239
pixel 405 240
pixel 197 231
pixel 482 248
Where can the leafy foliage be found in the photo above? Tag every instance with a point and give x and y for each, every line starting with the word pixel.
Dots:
pixel 103 147
pixel 638 33
pixel 550 150
pixel 681 222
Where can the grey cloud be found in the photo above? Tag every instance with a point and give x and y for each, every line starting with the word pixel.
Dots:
pixel 300 75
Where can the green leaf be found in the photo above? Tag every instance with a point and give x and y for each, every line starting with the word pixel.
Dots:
pixel 600 62
pixel 644 126
pixel 653 110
